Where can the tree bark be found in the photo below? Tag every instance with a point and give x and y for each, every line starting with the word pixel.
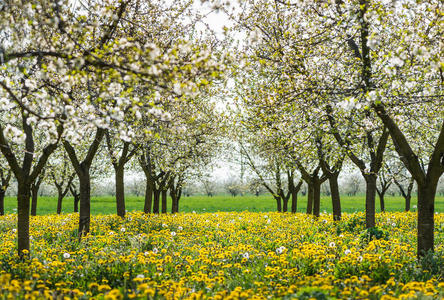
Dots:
pixel 381 195
pixel 426 222
pixel 164 201
pixel 173 203
pixel 76 202
pixel 407 202
pixel 2 202
pixel 76 197
pixel 59 202
pixel 148 198
pixel 34 199
pixel 316 197
pixel 285 204
pixel 294 196
pixel 120 190
pixel 23 201
pixel 294 200
pixel 175 193
pixel 156 201
pixel 85 203
pixel 278 203
pixel 310 196
pixel 370 195
pixel 335 196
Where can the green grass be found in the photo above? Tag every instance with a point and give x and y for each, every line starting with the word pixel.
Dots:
pixel 199 203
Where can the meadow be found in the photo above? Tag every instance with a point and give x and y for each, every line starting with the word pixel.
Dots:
pixel 225 255
pixel 201 203
pixel 246 252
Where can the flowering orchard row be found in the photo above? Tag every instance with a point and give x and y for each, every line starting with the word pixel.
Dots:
pixel 222 255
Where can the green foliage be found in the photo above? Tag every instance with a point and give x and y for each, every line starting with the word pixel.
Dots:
pixel 308 293
pixel 374 233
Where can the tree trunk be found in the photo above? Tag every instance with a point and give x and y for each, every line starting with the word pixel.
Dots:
pixel 59 200
pixel 294 200
pixel 310 195
pixel 408 195
pixel 176 210
pixel 335 196
pixel 370 195
pixel 278 203
pixel 407 202
pixel 76 202
pixel 34 198
pixel 164 201
pixel 148 198
pixel 156 201
pixel 23 199
pixel 120 191
pixel 85 203
pixel 2 202
pixel 381 199
pixel 426 222
pixel 316 197
pixel 285 204
pixel 173 203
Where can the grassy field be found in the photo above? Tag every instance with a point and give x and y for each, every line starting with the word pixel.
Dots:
pixel 199 203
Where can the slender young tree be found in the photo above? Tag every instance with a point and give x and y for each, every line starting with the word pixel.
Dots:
pixel 82 168
pixel 119 158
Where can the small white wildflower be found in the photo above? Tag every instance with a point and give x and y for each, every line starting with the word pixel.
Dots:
pixel 122 229
pixel 194 211
pixel 347 252
pixel 180 228
pixel 66 255
pixel 246 255
pixel 280 250
pixel 146 253
pixel 164 225
pixel 14 230
pixel 332 244
pixel 111 233
pixel 415 207
pixel 269 221
pixel 173 233
pixel 324 221
pixel 394 224
pixel 155 250
pixel 360 258
pixel 140 276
